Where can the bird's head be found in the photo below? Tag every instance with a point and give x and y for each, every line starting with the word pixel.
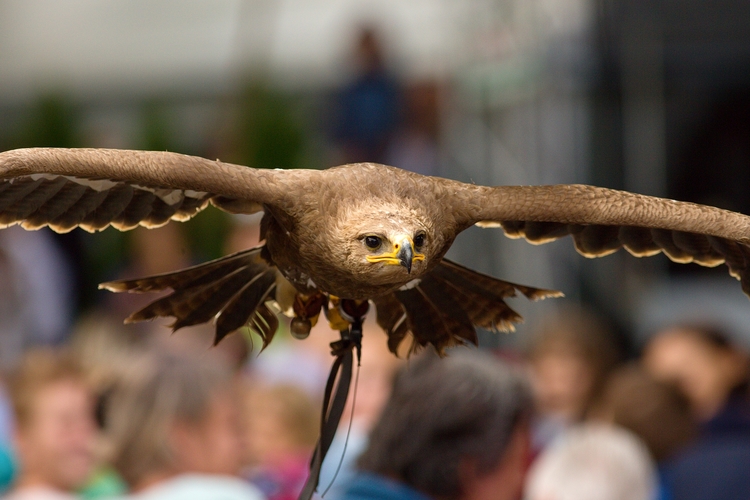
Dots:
pixel 390 245
pixel 400 249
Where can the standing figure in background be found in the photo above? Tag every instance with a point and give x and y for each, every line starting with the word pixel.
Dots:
pixel 415 146
pixel 368 107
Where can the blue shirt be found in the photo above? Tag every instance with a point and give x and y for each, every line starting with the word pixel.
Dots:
pixel 717 465
pixel 369 486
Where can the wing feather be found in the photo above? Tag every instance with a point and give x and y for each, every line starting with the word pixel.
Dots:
pixel 601 221
pixel 64 200
pixel 77 214
pixel 95 188
pixel 31 202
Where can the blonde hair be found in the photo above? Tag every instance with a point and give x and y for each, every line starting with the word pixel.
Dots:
pixel 292 408
pixel 39 369
pixel 160 389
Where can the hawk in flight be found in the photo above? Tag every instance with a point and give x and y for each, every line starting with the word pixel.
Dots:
pixel 363 232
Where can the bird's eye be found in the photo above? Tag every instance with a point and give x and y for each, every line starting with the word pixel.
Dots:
pixel 419 240
pixel 373 242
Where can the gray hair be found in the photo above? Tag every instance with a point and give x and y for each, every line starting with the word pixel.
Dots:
pixel 593 462
pixel 159 389
pixel 444 411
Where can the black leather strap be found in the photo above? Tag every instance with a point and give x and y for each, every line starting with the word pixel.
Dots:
pixel 334 400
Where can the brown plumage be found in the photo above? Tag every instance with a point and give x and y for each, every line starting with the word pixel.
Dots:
pixel 363 231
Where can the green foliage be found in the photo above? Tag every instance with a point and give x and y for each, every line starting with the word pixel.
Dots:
pixel 53 122
pixel 270 134
pixel 156 132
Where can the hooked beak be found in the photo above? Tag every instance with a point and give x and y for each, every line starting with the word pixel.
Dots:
pixel 405 255
pixel 402 254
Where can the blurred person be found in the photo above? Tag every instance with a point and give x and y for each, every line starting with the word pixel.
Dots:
pixel 282 425
pixel 657 412
pixel 7 468
pixel 36 304
pixel 173 425
pixel 570 355
pixel 105 348
pixel 593 462
pixel 453 428
pixel 702 362
pixel 55 428
pixel 415 146
pixel 713 374
pixel 7 461
pixel 306 365
pixel 368 107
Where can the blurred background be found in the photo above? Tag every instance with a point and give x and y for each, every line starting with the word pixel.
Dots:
pixel 652 97
pixel 648 96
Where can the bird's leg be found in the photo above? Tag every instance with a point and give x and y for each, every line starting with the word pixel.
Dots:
pixel 306 311
pixel 350 313
pixel 354 311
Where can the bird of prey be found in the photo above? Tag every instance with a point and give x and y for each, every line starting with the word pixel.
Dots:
pixel 363 232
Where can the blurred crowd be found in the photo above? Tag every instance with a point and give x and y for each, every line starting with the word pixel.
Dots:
pixel 113 415
pixel 101 410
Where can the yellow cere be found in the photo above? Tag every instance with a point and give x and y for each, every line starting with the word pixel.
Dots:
pixel 392 257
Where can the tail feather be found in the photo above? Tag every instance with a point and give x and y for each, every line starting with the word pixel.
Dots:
pixel 429 323
pixel 265 323
pixel 211 299
pixel 238 311
pixel 485 311
pixel 392 318
pixel 189 277
pixel 231 290
pixel 444 308
pixel 453 312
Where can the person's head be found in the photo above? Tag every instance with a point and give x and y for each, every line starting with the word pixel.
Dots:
pixel 369 51
pixel 701 362
pixel 55 429
pixel 281 422
pixel 655 411
pixel 570 354
pixel 174 414
pixel 454 428
pixel 593 462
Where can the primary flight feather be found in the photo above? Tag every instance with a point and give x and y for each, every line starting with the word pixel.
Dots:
pixel 361 232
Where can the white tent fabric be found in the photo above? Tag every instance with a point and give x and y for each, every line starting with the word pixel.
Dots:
pixel 133 46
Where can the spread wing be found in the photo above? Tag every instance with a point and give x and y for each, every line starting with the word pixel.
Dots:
pixel 601 221
pixel 95 188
